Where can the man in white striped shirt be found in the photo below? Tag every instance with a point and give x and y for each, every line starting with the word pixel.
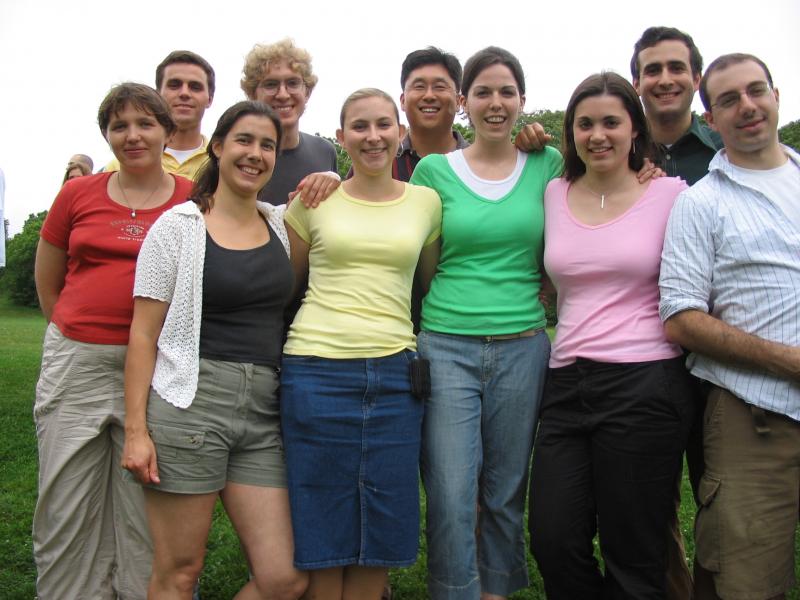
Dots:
pixel 730 292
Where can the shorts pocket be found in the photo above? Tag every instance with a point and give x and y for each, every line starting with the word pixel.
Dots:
pixel 176 444
pixel 707 525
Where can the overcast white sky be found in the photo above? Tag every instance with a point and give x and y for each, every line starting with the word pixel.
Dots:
pixel 58 59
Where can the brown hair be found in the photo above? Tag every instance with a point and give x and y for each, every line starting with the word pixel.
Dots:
pixel 600 84
pixel 207 180
pixel 187 57
pixel 138 95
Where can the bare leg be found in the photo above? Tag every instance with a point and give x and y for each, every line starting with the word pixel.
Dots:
pixel 363 583
pixel 179 525
pixel 261 518
pixel 325 584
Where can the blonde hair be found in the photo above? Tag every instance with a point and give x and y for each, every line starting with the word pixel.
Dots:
pixel 258 60
pixel 362 94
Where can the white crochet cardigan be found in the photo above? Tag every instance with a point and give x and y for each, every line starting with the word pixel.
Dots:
pixel 170 269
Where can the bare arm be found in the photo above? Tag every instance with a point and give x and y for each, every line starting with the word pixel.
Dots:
pixel 428 263
pixel 702 333
pixel 50 271
pixel 139 454
pixel 299 257
pixel 547 292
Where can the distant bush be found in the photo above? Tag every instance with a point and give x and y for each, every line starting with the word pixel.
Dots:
pixel 17 280
pixel 789 134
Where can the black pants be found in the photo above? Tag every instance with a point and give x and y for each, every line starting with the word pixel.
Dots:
pixel 607 452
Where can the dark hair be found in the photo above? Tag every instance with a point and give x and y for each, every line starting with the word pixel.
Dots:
pixel 189 57
pixel 483 59
pixel 722 63
pixel 138 95
pixel 431 56
pixel 654 35
pixel 599 84
pixel 207 180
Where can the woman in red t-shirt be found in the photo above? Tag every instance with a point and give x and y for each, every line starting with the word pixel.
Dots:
pixel 90 536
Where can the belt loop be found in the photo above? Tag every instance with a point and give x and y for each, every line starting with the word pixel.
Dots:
pixel 759 420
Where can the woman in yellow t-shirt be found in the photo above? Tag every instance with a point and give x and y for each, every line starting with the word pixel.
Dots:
pixel 350 422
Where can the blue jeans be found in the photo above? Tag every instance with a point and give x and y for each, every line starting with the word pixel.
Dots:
pixel 476 446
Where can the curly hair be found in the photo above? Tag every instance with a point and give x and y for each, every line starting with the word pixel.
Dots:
pixel 258 60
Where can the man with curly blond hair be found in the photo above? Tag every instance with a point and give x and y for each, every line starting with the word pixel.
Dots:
pixel 280 76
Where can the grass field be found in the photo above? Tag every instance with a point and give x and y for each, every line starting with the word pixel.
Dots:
pixel 21 334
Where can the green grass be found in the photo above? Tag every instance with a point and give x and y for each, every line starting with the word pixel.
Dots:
pixel 21 331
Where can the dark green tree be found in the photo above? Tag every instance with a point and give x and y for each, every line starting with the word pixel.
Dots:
pixel 342 158
pixel 551 120
pixel 17 278
pixel 789 134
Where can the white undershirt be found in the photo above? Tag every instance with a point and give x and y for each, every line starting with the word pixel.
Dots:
pixel 490 189
pixel 181 155
pixel 780 185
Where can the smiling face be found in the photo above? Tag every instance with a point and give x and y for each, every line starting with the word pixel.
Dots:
pixel 247 155
pixel 748 127
pixel 493 103
pixel 185 88
pixel 666 83
pixel 136 138
pixel 603 133
pixel 283 90
pixel 370 134
pixel 430 98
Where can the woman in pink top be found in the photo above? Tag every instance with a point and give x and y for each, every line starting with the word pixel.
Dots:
pixel 616 409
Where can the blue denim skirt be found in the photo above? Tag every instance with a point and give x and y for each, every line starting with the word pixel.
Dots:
pixel 351 431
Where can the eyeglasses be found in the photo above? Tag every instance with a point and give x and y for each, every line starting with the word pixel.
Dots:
pixel 754 91
pixel 273 86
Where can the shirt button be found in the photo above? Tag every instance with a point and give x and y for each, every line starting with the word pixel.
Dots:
pixel 669 157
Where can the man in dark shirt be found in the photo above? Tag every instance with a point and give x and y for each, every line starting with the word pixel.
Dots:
pixel 666 67
pixel 280 76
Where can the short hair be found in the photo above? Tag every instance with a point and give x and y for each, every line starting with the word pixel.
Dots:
pixel 140 96
pixel 189 57
pixel 362 94
pixel 431 56
pixel 483 59
pixel 612 84
pixel 654 35
pixel 82 167
pixel 722 63
pixel 258 60
pixel 207 179
pixel 83 159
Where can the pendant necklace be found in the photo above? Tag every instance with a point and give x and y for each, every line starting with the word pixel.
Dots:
pixel 128 203
pixel 601 196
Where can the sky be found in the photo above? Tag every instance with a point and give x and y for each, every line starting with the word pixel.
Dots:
pixel 58 59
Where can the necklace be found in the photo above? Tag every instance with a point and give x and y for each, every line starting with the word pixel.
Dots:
pixel 601 196
pixel 128 202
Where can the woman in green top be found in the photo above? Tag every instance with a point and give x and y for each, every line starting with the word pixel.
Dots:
pixel 483 332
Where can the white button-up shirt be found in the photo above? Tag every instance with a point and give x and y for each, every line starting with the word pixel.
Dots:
pixel 731 251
